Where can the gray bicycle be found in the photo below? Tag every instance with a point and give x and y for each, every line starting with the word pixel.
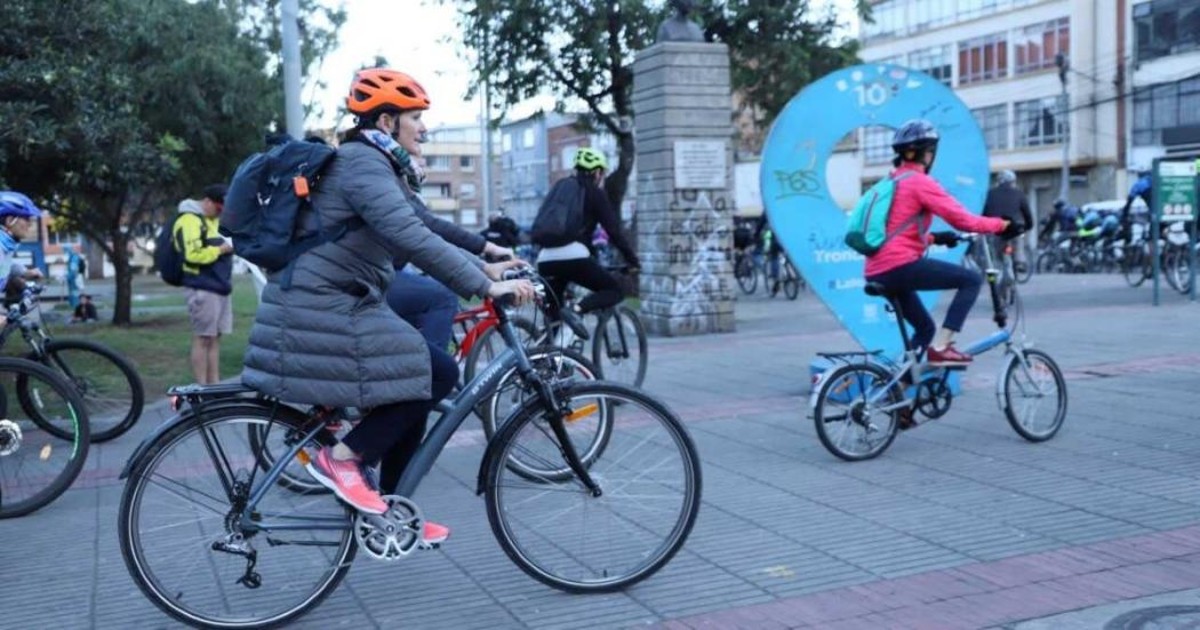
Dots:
pixel 578 500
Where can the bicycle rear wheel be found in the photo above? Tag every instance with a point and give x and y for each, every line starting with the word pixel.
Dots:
pixel 855 416
pixel 791 281
pixel 620 348
pixel 107 382
pixel 190 551
pixel 562 535
pixel 37 465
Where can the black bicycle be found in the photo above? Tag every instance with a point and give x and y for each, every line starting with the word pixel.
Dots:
pixel 577 500
pixel 37 465
pixel 107 382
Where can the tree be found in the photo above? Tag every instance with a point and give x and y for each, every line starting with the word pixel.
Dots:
pixel 776 47
pixel 116 109
pixel 584 51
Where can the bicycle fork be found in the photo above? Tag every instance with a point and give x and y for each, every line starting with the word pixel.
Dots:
pixel 554 415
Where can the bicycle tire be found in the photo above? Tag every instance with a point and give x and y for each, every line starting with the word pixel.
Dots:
pixel 791 281
pixel 822 417
pixel 130 509
pixel 745 274
pixel 52 357
pixel 1133 266
pixel 79 441
pixel 1060 384
pixel 300 483
pixel 603 340
pixel 621 397
pixel 484 342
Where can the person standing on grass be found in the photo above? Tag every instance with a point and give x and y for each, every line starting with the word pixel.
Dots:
pixel 207 279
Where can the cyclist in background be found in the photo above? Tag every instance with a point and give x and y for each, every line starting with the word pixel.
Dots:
pixel 1143 188
pixel 766 244
pixel 574 262
pixel 17 214
pixel 1006 201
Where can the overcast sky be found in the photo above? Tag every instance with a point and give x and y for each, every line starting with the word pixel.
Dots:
pixel 410 34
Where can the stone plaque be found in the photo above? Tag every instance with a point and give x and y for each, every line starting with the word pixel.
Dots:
pixel 700 164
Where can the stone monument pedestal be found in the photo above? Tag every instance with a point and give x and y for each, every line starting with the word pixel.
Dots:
pixel 682 105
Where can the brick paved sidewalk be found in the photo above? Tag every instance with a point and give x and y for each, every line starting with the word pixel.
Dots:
pixel 960 517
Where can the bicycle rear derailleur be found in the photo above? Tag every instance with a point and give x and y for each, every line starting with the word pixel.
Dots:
pixel 394 534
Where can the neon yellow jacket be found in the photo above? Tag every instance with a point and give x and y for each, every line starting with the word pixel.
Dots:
pixel 204 266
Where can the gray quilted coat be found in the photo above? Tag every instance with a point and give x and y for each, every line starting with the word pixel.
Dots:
pixel 330 338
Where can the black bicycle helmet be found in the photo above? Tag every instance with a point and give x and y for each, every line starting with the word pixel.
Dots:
pixel 915 134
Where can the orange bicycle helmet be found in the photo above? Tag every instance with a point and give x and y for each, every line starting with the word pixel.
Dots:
pixel 379 89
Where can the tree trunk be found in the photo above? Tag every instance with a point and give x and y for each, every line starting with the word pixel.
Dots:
pixel 123 304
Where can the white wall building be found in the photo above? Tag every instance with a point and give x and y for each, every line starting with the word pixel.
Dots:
pixel 1000 58
pixel 1165 69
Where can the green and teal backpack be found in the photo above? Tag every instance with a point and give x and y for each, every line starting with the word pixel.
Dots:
pixel 866 230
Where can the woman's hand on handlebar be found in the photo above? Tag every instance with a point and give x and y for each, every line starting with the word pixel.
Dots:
pixel 496 270
pixel 522 291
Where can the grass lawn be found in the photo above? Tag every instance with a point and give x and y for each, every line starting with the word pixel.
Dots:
pixel 159 343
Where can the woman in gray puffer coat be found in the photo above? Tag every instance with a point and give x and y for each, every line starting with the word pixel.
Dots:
pixel 330 338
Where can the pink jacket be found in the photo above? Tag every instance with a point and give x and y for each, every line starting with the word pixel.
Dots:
pixel 920 193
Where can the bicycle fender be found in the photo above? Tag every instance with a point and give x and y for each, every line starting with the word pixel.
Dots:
pixel 493 450
pixel 144 445
pixel 170 423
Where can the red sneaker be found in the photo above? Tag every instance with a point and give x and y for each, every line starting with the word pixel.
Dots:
pixel 346 480
pixel 434 533
pixel 947 357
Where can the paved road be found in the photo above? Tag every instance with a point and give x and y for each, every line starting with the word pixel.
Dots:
pixel 960 524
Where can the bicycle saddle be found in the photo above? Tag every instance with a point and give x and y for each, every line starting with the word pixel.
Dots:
pixel 875 289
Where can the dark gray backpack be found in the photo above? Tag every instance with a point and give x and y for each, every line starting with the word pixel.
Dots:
pixel 560 219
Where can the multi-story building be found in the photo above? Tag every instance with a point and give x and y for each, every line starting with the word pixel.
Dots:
pixel 1000 57
pixel 453 185
pixel 1164 43
pixel 537 151
pixel 525 165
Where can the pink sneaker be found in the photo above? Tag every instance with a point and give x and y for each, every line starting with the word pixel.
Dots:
pixel 346 480
pixel 435 533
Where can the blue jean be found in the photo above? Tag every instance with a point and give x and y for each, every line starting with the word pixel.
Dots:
pixel 928 274
pixel 426 304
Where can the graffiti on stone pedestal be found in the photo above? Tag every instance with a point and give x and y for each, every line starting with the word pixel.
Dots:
pixel 697 236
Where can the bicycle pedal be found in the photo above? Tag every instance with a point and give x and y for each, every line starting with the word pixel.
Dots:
pixel 428 546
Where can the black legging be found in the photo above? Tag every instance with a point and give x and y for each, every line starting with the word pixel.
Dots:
pixel 586 272
pixel 390 433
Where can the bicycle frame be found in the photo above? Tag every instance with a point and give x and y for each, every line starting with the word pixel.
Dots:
pixel 486 318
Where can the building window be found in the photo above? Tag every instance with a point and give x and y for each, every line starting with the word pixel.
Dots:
pixel 527 139
pixel 1037 45
pixel 1164 106
pixel 994 123
pixel 436 191
pixel 877 145
pixel 470 216
pixel 437 162
pixel 983 59
pixel 889 20
pixel 935 61
pixel 466 191
pixel 506 143
pixel 1166 27
pixel 466 162
pixel 1040 121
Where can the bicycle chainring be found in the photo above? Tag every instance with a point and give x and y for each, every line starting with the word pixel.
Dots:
pixel 10 437
pixel 392 535
pixel 933 398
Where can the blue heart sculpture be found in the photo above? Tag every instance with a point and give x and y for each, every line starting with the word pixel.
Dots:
pixel 808 223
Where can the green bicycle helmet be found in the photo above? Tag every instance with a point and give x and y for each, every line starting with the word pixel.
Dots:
pixel 589 159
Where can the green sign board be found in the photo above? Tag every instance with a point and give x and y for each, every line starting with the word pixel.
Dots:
pixel 1175 191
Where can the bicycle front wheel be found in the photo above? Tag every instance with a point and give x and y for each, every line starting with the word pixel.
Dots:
pixel 109 385
pixel 746 276
pixel 37 465
pixel 620 348
pixel 1035 395
pixel 564 535
pixel 791 281
pixel 197 554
